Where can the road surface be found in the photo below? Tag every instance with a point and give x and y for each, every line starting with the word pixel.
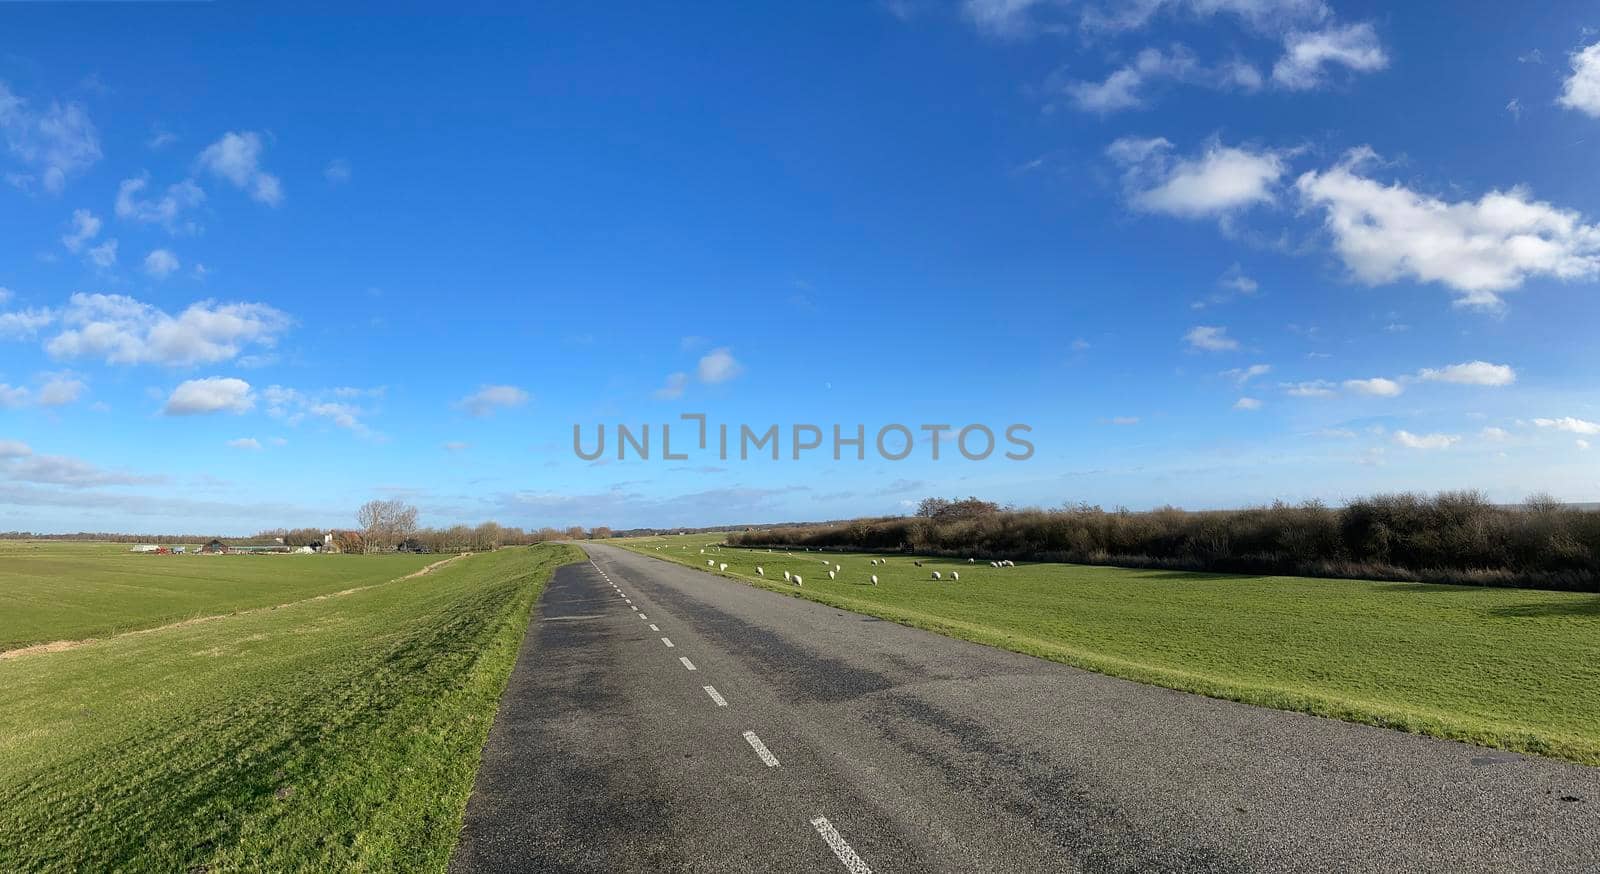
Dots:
pixel 664 719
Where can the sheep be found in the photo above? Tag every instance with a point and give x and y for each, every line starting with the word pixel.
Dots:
pixel 798 581
pixel 837 568
pixel 710 562
pixel 917 563
pixel 831 574
pixel 874 562
pixel 936 575
pixel 955 575
pixel 994 564
pixel 760 571
pixel 874 579
pixel 972 561
pixel 723 566
pixel 787 576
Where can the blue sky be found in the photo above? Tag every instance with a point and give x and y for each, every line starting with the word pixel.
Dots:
pixel 259 268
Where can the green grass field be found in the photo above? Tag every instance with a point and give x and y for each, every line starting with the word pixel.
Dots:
pixel 69 591
pixel 339 734
pixel 1513 668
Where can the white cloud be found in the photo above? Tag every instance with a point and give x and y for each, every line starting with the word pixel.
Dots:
pixel 1471 373
pixel 1376 386
pixel 213 394
pixel 456 445
pixel 60 389
pixel 1003 18
pixel 1242 375
pixel 489 398
pixel 1123 420
pixel 1210 339
pixel 673 388
pixel 25 323
pixel 1581 444
pixel 1514 106
pixel 1221 180
pixel 1261 15
pixel 1123 88
pixel 719 365
pixel 60 470
pixel 1317 388
pixel 337 172
pixel 237 158
pixel 1581 90
pixel 13 396
pixel 161 263
pixel 1307 54
pixel 57 142
pixel 121 330
pixel 1570 424
pixel 164 210
pixel 14 449
pixel 1247 404
pixel 295 406
pixel 1425 441
pixel 245 443
pixel 1478 248
pixel 85 227
pixel 1495 435
pixel 104 255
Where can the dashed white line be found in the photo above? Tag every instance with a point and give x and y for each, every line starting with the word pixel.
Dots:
pixel 634 608
pixel 653 627
pixel 667 641
pixel 688 664
pixel 761 749
pixel 642 616
pixel 715 695
pixel 852 862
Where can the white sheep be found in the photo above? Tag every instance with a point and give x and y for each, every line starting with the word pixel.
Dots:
pixel 955 575
pixel 874 579
pixel 972 561
pixel 874 562
pixel 831 574
pixel 787 576
pixel 936 575
pixel 994 564
pixel 722 567
pixel 798 581
pixel 837 568
pixel 710 562
pixel 760 571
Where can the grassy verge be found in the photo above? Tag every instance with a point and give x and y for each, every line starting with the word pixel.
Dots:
pixel 71 591
pixel 1511 668
pixel 340 734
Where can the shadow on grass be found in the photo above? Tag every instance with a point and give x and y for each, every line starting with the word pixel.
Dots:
pixel 1587 607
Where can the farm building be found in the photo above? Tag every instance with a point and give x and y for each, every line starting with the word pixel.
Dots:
pixel 215 547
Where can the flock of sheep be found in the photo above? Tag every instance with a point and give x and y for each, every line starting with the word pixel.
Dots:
pixel 833 570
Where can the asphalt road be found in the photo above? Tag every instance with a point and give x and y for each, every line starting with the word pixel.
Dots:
pixel 809 739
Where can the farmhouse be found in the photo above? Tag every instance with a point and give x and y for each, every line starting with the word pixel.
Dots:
pixel 215 547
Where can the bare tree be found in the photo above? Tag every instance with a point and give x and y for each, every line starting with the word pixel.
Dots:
pixel 385 523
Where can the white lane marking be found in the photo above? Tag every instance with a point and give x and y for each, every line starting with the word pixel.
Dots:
pixel 667 641
pixel 629 600
pixel 642 616
pixel 688 664
pixel 761 749
pixel 634 608
pixel 715 695
pixel 653 627
pixel 852 862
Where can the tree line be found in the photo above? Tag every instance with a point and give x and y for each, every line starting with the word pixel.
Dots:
pixel 1449 537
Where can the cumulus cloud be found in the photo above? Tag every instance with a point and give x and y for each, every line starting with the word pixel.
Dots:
pixel 295 406
pixel 674 386
pixel 1124 88
pixel 13 396
pixel 60 389
pixel 1376 386
pixel 1001 18
pixel 719 365
pixel 1569 424
pixel 161 263
pixel 1495 435
pixel 1242 375
pixel 213 394
pixel 489 398
pixel 1210 338
pixel 245 443
pixel 1247 404
pixel 1425 441
pixel 236 158
pixel 121 330
pixel 25 323
pixel 1221 180
pixel 1386 233
pixel 1308 54
pixel 164 210
pixel 1471 373
pixel 104 255
pixel 54 143
pixel 1581 90
pixel 85 227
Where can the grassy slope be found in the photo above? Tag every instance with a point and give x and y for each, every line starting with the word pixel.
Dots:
pixel 70 591
pixel 340 734
pixel 1513 668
